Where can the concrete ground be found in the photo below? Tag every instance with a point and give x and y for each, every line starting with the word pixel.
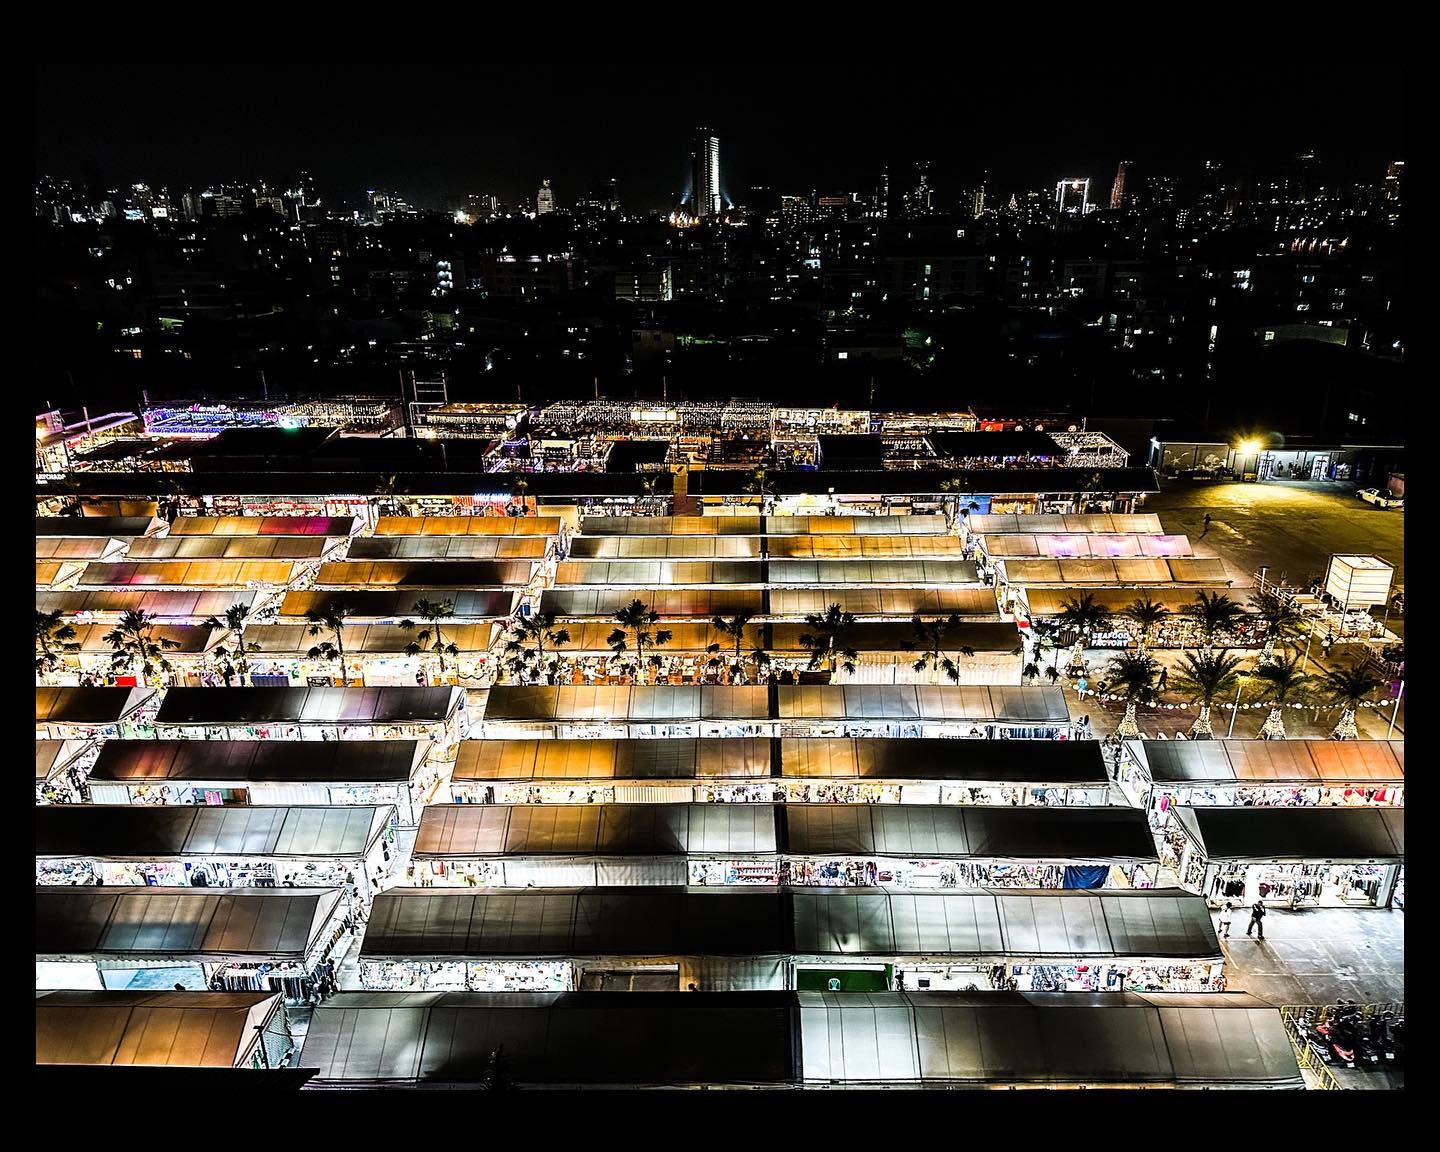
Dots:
pixel 1317 955
pixel 1292 527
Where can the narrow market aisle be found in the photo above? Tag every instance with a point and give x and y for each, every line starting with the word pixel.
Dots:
pixel 1317 955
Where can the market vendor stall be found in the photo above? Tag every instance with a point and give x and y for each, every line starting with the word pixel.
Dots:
pixel 365 607
pixel 332 527
pixel 552 845
pixel 939 846
pixel 998 524
pixel 60 768
pixel 802 1040
pixel 445 526
pixel 450 548
pixel 751 525
pixel 612 771
pixel 161 1030
pixel 1292 857
pixel 1046 605
pixel 667 603
pixel 391 574
pixel 722 940
pixel 347 848
pixel 436 715
pixel 297 548
pixel 193 574
pixel 240 939
pixel 813 547
pixel 1143 573
pixel 1066 546
pixel 383 772
pixel 376 655
pixel 116 528
pixel 88 713
pixel 1158 774
pixel 109 604
pixel 859 710
pixel 977 604
pixel 94 657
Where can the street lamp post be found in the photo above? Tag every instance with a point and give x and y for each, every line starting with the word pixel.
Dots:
pixel 1235 708
pixel 1395 714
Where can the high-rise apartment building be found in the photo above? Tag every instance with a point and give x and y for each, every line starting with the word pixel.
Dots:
pixel 705 174
pixel 1117 189
pixel 544 200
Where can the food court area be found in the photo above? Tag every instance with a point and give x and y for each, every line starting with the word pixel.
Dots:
pixel 420 801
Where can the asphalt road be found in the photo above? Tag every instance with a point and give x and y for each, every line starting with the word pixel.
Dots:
pixel 1292 527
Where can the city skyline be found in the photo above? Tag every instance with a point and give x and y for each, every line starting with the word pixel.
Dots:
pixel 434 141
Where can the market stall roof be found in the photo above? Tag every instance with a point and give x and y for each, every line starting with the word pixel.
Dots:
pixel 1275 834
pixel 294 640
pixel 855 526
pixel 155 1029
pixel 1149 570
pixel 47 572
pixel 258 761
pixel 418 924
pixel 1096 547
pixel 996 524
pixel 651 703
pixel 547 761
pixel 110 527
pixel 930 482
pixel 185 831
pixel 658 573
pixel 469 525
pixel 53 756
pixel 219 706
pixel 1152 924
pixel 823 547
pixel 670 603
pixel 990 1038
pixel 198 923
pixel 76 547
pixel 424 924
pixel 1304 762
pixel 471 831
pixel 1060 762
pixel 468 603
pixel 1041 705
pixel 592 526
pixel 555 1039
pixel 192 574
pixel 894 602
pixel 343 480
pixel 820 547
pixel 937 831
pixel 751 525
pixel 912 572
pixel 450 548
pixel 1046 603
pixel 802 1038
pixel 165 606
pixel 421 574
pixel 88 705
pixel 666 548
pixel 229 548
pixel 332 526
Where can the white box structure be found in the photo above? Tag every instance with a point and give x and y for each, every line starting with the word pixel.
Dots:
pixel 1359 581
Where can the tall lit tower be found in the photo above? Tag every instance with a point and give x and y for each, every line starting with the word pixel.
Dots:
pixel 544 200
pixel 705 175
pixel 1117 190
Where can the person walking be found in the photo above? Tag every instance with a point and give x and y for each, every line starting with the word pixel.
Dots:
pixel 1164 678
pixel 1257 919
pixel 1227 913
pixel 1207 526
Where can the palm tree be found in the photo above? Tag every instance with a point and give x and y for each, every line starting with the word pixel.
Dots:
pixel 1132 675
pixel 1282 619
pixel 520 487
pixel 233 623
pixel 761 485
pixel 137 648
pixel 1202 677
pixel 636 622
pixel 525 648
pixel 1082 616
pixel 1213 612
pixel 930 644
pixel 432 612
pixel 1148 615
pixel 734 627
pixel 825 642
pixel 1349 687
pixel 385 489
pixel 954 485
pixel 1281 682
pixel 54 638
pixel 330 618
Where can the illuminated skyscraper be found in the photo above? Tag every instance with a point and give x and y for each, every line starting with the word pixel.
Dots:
pixel 1072 197
pixel 705 174
pixel 544 200
pixel 1394 174
pixel 1117 190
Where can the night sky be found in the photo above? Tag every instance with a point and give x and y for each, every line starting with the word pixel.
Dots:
pixel 478 119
